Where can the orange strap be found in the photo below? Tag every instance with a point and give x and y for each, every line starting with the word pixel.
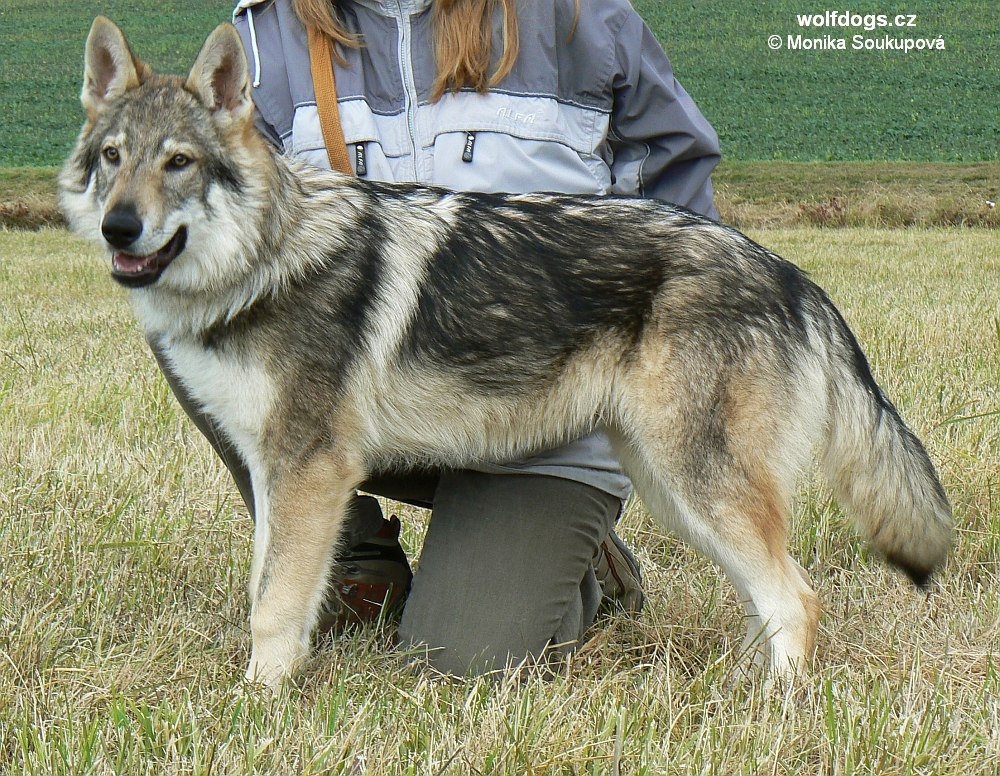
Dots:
pixel 321 63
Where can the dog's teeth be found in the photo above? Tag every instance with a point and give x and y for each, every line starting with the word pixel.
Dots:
pixel 125 263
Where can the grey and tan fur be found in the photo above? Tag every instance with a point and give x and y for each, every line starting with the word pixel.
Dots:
pixel 334 327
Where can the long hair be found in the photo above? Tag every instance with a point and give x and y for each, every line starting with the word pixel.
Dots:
pixel 463 39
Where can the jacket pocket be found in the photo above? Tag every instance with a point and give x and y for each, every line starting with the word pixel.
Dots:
pixel 499 142
pixel 386 155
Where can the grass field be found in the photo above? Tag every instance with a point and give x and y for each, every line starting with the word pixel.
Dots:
pixel 124 554
pixel 795 105
pixel 837 105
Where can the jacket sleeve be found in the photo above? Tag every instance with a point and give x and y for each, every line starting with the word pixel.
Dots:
pixel 662 146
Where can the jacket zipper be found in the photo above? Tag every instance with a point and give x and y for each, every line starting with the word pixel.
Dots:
pixel 470 146
pixel 409 89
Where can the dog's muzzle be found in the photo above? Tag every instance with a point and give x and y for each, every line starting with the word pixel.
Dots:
pixel 137 271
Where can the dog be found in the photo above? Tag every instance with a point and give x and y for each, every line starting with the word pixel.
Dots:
pixel 333 327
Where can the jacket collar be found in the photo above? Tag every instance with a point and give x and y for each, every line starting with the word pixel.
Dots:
pixel 394 8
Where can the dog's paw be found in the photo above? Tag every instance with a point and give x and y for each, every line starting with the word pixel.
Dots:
pixel 269 672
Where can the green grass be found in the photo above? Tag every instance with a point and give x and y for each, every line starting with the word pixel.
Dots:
pixel 124 553
pixel 837 105
pixel 799 105
pixel 42 74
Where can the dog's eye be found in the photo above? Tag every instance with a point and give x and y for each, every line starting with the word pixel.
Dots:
pixel 179 160
pixel 111 154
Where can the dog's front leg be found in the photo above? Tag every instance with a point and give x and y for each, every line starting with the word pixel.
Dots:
pixel 293 551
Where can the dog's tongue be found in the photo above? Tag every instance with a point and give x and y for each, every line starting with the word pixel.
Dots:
pixel 126 263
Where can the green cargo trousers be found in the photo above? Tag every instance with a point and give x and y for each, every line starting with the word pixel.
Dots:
pixel 506 572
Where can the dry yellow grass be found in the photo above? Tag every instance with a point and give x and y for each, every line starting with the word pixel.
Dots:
pixel 753 195
pixel 124 552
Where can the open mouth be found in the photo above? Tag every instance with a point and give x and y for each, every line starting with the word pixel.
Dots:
pixel 136 271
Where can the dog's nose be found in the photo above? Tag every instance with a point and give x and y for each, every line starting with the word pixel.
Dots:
pixel 121 226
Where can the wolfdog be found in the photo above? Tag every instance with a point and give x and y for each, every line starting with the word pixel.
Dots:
pixel 333 327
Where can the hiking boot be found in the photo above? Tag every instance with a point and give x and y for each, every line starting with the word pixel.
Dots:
pixel 618 575
pixel 369 580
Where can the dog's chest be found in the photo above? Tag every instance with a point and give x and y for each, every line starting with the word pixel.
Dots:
pixel 237 393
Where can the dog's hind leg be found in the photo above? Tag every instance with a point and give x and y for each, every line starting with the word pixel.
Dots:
pixel 735 515
pixel 292 557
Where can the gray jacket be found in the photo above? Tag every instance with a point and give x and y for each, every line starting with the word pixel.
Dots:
pixel 592 109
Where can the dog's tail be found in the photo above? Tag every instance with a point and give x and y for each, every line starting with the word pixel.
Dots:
pixel 878 469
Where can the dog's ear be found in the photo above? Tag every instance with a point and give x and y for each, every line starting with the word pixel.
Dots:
pixel 220 77
pixel 109 67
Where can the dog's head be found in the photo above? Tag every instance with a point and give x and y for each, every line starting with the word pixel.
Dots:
pixel 166 170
